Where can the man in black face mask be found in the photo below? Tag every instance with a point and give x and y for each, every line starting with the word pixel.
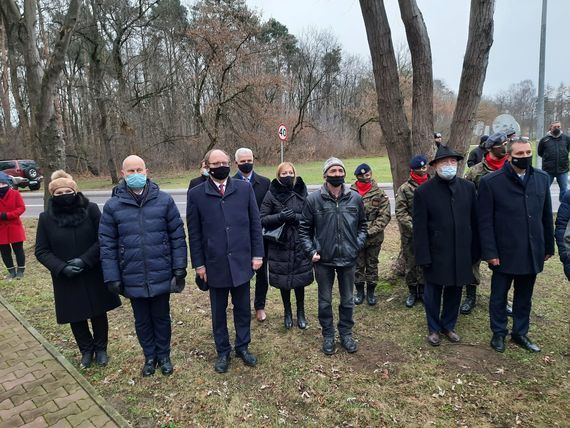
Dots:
pixel 244 162
pixel 554 149
pixel 226 247
pixel 332 232
pixel 517 237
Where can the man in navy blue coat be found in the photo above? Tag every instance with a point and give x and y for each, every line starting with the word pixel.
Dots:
pixel 516 230
pixel 143 255
pixel 226 247
pixel 244 162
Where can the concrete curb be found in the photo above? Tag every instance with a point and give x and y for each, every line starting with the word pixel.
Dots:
pixel 101 402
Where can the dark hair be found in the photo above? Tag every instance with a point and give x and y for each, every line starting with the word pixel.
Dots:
pixel 513 141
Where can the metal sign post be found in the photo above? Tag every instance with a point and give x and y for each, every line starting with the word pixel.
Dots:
pixel 282 134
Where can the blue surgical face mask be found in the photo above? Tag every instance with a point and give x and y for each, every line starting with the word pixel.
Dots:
pixel 136 181
pixel 447 172
pixel 205 173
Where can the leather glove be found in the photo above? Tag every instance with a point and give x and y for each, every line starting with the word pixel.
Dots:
pixel 115 287
pixel 179 273
pixel 177 284
pixel 70 271
pixel 290 216
pixel 77 262
pixel 3 216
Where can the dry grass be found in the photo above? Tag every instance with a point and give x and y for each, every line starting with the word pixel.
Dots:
pixel 395 379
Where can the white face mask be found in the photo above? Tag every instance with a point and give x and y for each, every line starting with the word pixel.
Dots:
pixel 447 172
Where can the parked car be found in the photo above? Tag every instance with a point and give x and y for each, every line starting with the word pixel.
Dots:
pixel 24 172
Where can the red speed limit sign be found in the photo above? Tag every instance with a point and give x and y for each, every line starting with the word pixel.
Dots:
pixel 282 132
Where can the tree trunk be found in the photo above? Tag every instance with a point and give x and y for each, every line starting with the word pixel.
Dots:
pixel 479 44
pixel 5 89
pixel 422 99
pixel 392 116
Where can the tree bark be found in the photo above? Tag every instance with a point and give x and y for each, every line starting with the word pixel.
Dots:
pixel 392 116
pixel 475 63
pixel 422 87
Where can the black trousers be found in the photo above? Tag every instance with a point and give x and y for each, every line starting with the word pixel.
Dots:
pixel 242 317
pixel 88 342
pixel 522 302
pixel 438 318
pixel 152 324
pixel 6 252
pixel 261 284
pixel 299 296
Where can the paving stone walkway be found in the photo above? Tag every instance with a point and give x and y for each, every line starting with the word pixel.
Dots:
pixel 39 387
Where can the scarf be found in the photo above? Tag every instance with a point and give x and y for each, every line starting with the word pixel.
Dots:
pixel 363 188
pixel 495 165
pixel 420 179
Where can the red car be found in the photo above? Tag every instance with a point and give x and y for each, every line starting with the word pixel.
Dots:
pixel 24 172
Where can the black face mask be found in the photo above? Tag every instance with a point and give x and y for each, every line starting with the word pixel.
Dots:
pixel 220 173
pixel 522 163
pixel 335 181
pixel 499 152
pixel 4 190
pixel 363 180
pixel 556 132
pixel 287 181
pixel 246 168
pixel 65 200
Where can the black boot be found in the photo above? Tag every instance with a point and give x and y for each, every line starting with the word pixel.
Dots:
pixel 412 297
pixel 11 273
pixel 470 299
pixel 359 295
pixel 288 318
pixel 421 292
pixel 301 320
pixel 20 272
pixel 370 296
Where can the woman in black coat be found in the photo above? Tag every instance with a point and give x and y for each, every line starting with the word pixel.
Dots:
pixel 289 267
pixel 67 244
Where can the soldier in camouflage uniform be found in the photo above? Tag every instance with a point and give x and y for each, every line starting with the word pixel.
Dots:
pixel 404 211
pixel 377 207
pixel 493 160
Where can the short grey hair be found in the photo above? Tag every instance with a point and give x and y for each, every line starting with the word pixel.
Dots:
pixel 242 151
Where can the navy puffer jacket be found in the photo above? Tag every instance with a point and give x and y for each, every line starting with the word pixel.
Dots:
pixel 142 245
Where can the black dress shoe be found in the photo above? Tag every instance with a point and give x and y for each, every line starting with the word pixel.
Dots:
pixel 452 336
pixel 301 320
pixel 165 366
pixel 222 363
pixel 328 345
pixel 498 342
pixel 288 320
pixel 149 367
pixel 247 358
pixel 101 358
pixel 525 342
pixel 509 310
pixel 348 343
pixel 86 360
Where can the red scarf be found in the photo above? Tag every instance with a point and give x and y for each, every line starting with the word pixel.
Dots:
pixel 420 179
pixel 494 164
pixel 363 188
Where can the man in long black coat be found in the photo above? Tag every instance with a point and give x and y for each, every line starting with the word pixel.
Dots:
pixel 244 162
pixel 445 242
pixel 226 247
pixel 517 236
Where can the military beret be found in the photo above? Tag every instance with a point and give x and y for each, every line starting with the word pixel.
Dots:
pixel 496 139
pixel 418 162
pixel 363 168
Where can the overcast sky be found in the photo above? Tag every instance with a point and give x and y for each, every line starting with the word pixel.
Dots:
pixel 514 55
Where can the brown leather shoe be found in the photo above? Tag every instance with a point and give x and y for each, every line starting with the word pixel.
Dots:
pixel 260 315
pixel 452 336
pixel 433 338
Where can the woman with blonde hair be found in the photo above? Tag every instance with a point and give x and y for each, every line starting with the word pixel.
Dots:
pixel 289 267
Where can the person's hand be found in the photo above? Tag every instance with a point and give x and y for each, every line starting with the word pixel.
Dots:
pixel 3 216
pixel 77 262
pixel 70 271
pixel 256 263
pixel 115 287
pixel 201 272
pixel 316 257
pixel 494 262
pixel 547 256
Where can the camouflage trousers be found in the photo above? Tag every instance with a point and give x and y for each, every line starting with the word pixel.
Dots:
pixel 414 274
pixel 367 264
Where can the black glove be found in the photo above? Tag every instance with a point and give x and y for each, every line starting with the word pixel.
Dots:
pixel 70 271
pixel 3 216
pixel 177 284
pixel 287 215
pixel 179 273
pixel 115 287
pixel 77 262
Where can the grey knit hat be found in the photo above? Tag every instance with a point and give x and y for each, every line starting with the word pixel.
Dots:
pixel 332 162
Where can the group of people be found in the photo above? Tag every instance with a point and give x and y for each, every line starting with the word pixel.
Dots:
pixel 246 225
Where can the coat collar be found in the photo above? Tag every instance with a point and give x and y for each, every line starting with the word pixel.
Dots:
pixel 508 168
pixel 212 189
pixel 327 195
pixel 252 179
pixel 125 196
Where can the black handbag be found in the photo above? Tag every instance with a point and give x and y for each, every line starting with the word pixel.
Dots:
pixel 202 285
pixel 274 235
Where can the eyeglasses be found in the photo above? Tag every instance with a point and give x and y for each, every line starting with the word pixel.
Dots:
pixel 217 164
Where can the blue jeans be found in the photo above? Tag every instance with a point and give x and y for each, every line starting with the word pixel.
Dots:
pixel 562 180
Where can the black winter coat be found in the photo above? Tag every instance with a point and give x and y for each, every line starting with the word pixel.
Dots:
pixel 562 218
pixel 446 242
pixel 67 234
pixel 515 220
pixel 336 229
pixel 475 156
pixel 554 152
pixel 260 186
pixel 289 266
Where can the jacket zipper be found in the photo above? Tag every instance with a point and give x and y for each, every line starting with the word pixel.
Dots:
pixel 144 251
